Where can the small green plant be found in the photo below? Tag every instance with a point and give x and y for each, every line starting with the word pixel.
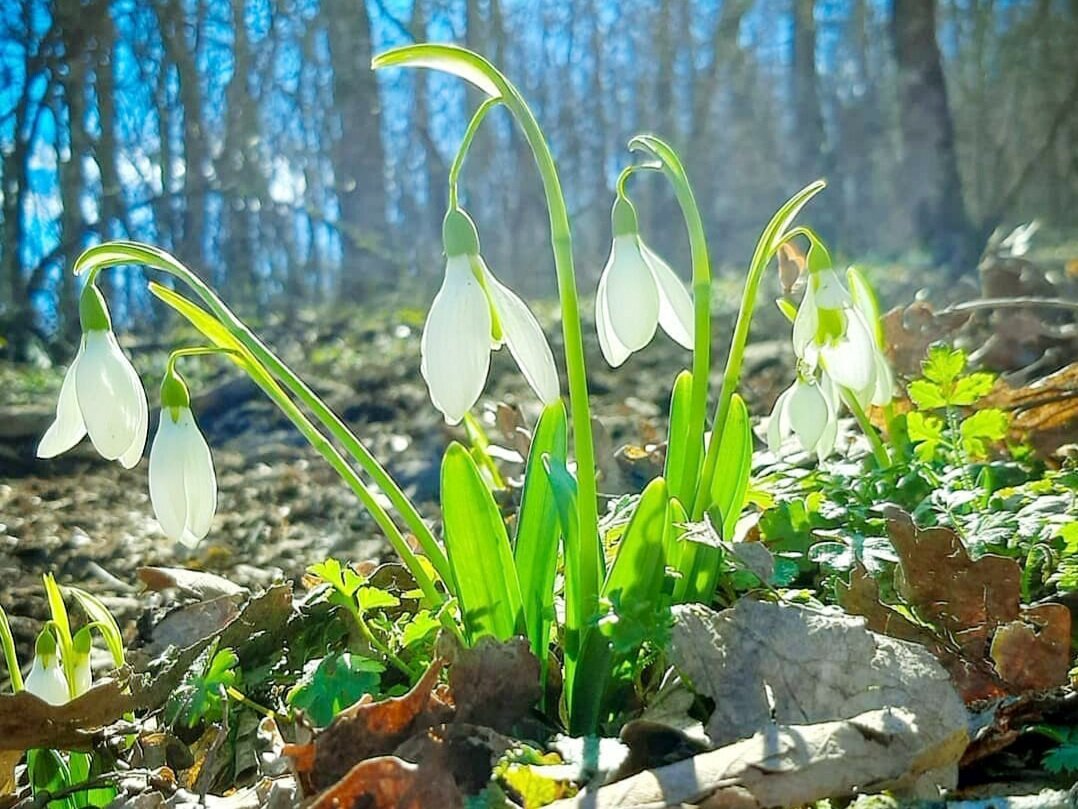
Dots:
pixel 60 673
pixel 948 391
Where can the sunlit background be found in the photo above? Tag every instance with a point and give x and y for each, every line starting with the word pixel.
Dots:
pixel 251 138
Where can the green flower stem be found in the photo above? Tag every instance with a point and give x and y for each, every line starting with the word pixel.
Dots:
pixel 879 451
pixel 243 699
pixel 701 295
pixel 389 654
pixel 589 572
pixel 762 255
pixel 112 253
pixel 465 145
pixel 194 351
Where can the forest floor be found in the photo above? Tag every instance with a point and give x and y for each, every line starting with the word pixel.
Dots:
pixel 281 508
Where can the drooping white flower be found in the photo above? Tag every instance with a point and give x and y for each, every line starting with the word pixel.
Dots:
pixel 864 299
pixel 637 293
pixel 808 410
pixel 46 679
pixel 183 484
pixel 81 645
pixel 101 394
pixel 831 332
pixel 473 314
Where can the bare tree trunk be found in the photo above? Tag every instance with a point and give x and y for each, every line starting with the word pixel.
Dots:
pixel 808 116
pixel 932 189
pixel 358 154
pixel 194 184
pixel 73 226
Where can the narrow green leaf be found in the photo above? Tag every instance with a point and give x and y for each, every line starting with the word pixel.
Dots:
pixel 48 773
pixel 677 439
pixel 198 317
pixel 97 612
pixel 448 59
pixel 637 572
pixel 11 657
pixel 731 481
pixel 535 553
pixel 634 587
pixel 478 549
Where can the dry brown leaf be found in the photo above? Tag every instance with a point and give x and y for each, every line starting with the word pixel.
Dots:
pixel 790 765
pixel 1045 412
pixel 973 619
pixel 388 782
pixel 909 331
pixel 1033 653
pixel 762 663
pixel 493 684
pixel 370 729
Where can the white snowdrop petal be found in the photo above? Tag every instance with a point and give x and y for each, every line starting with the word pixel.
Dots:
pixel 675 303
pixel 826 445
pixel 775 431
pixel 111 397
pixel 47 682
pixel 830 292
pixel 851 361
pixel 525 338
pixel 84 677
pixel 809 414
pixel 614 351
pixel 805 324
pixel 68 428
pixel 199 478
pixel 455 347
pixel 631 294
pixel 167 493
pixel 884 389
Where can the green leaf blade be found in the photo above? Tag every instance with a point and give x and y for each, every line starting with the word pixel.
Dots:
pixel 478 548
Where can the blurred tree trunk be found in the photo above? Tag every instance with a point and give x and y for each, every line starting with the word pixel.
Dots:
pixel 933 190
pixel 810 147
pixel 193 184
pixel 358 153
pixel 73 17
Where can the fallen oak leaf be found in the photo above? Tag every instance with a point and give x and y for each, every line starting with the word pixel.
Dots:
pixel 790 765
pixel 388 782
pixel 368 730
pixel 492 683
pixel 1033 652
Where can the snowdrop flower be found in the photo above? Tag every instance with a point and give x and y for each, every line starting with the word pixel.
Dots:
pixel 864 299
pixel 81 645
pixel 46 679
pixel 831 332
pixel 101 394
pixel 806 409
pixel 183 485
pixel 638 292
pixel 472 314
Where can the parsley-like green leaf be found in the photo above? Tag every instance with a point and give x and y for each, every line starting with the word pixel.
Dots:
pixel 982 427
pixel 969 389
pixel 926 432
pixel 927 395
pixel 944 364
pixel 331 684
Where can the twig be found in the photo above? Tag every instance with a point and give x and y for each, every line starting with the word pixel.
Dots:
pixel 1009 303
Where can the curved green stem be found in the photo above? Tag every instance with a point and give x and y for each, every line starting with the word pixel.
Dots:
pixel 765 250
pixel 474 68
pixel 195 351
pixel 701 295
pixel 114 253
pixel 879 450
pixel 465 145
